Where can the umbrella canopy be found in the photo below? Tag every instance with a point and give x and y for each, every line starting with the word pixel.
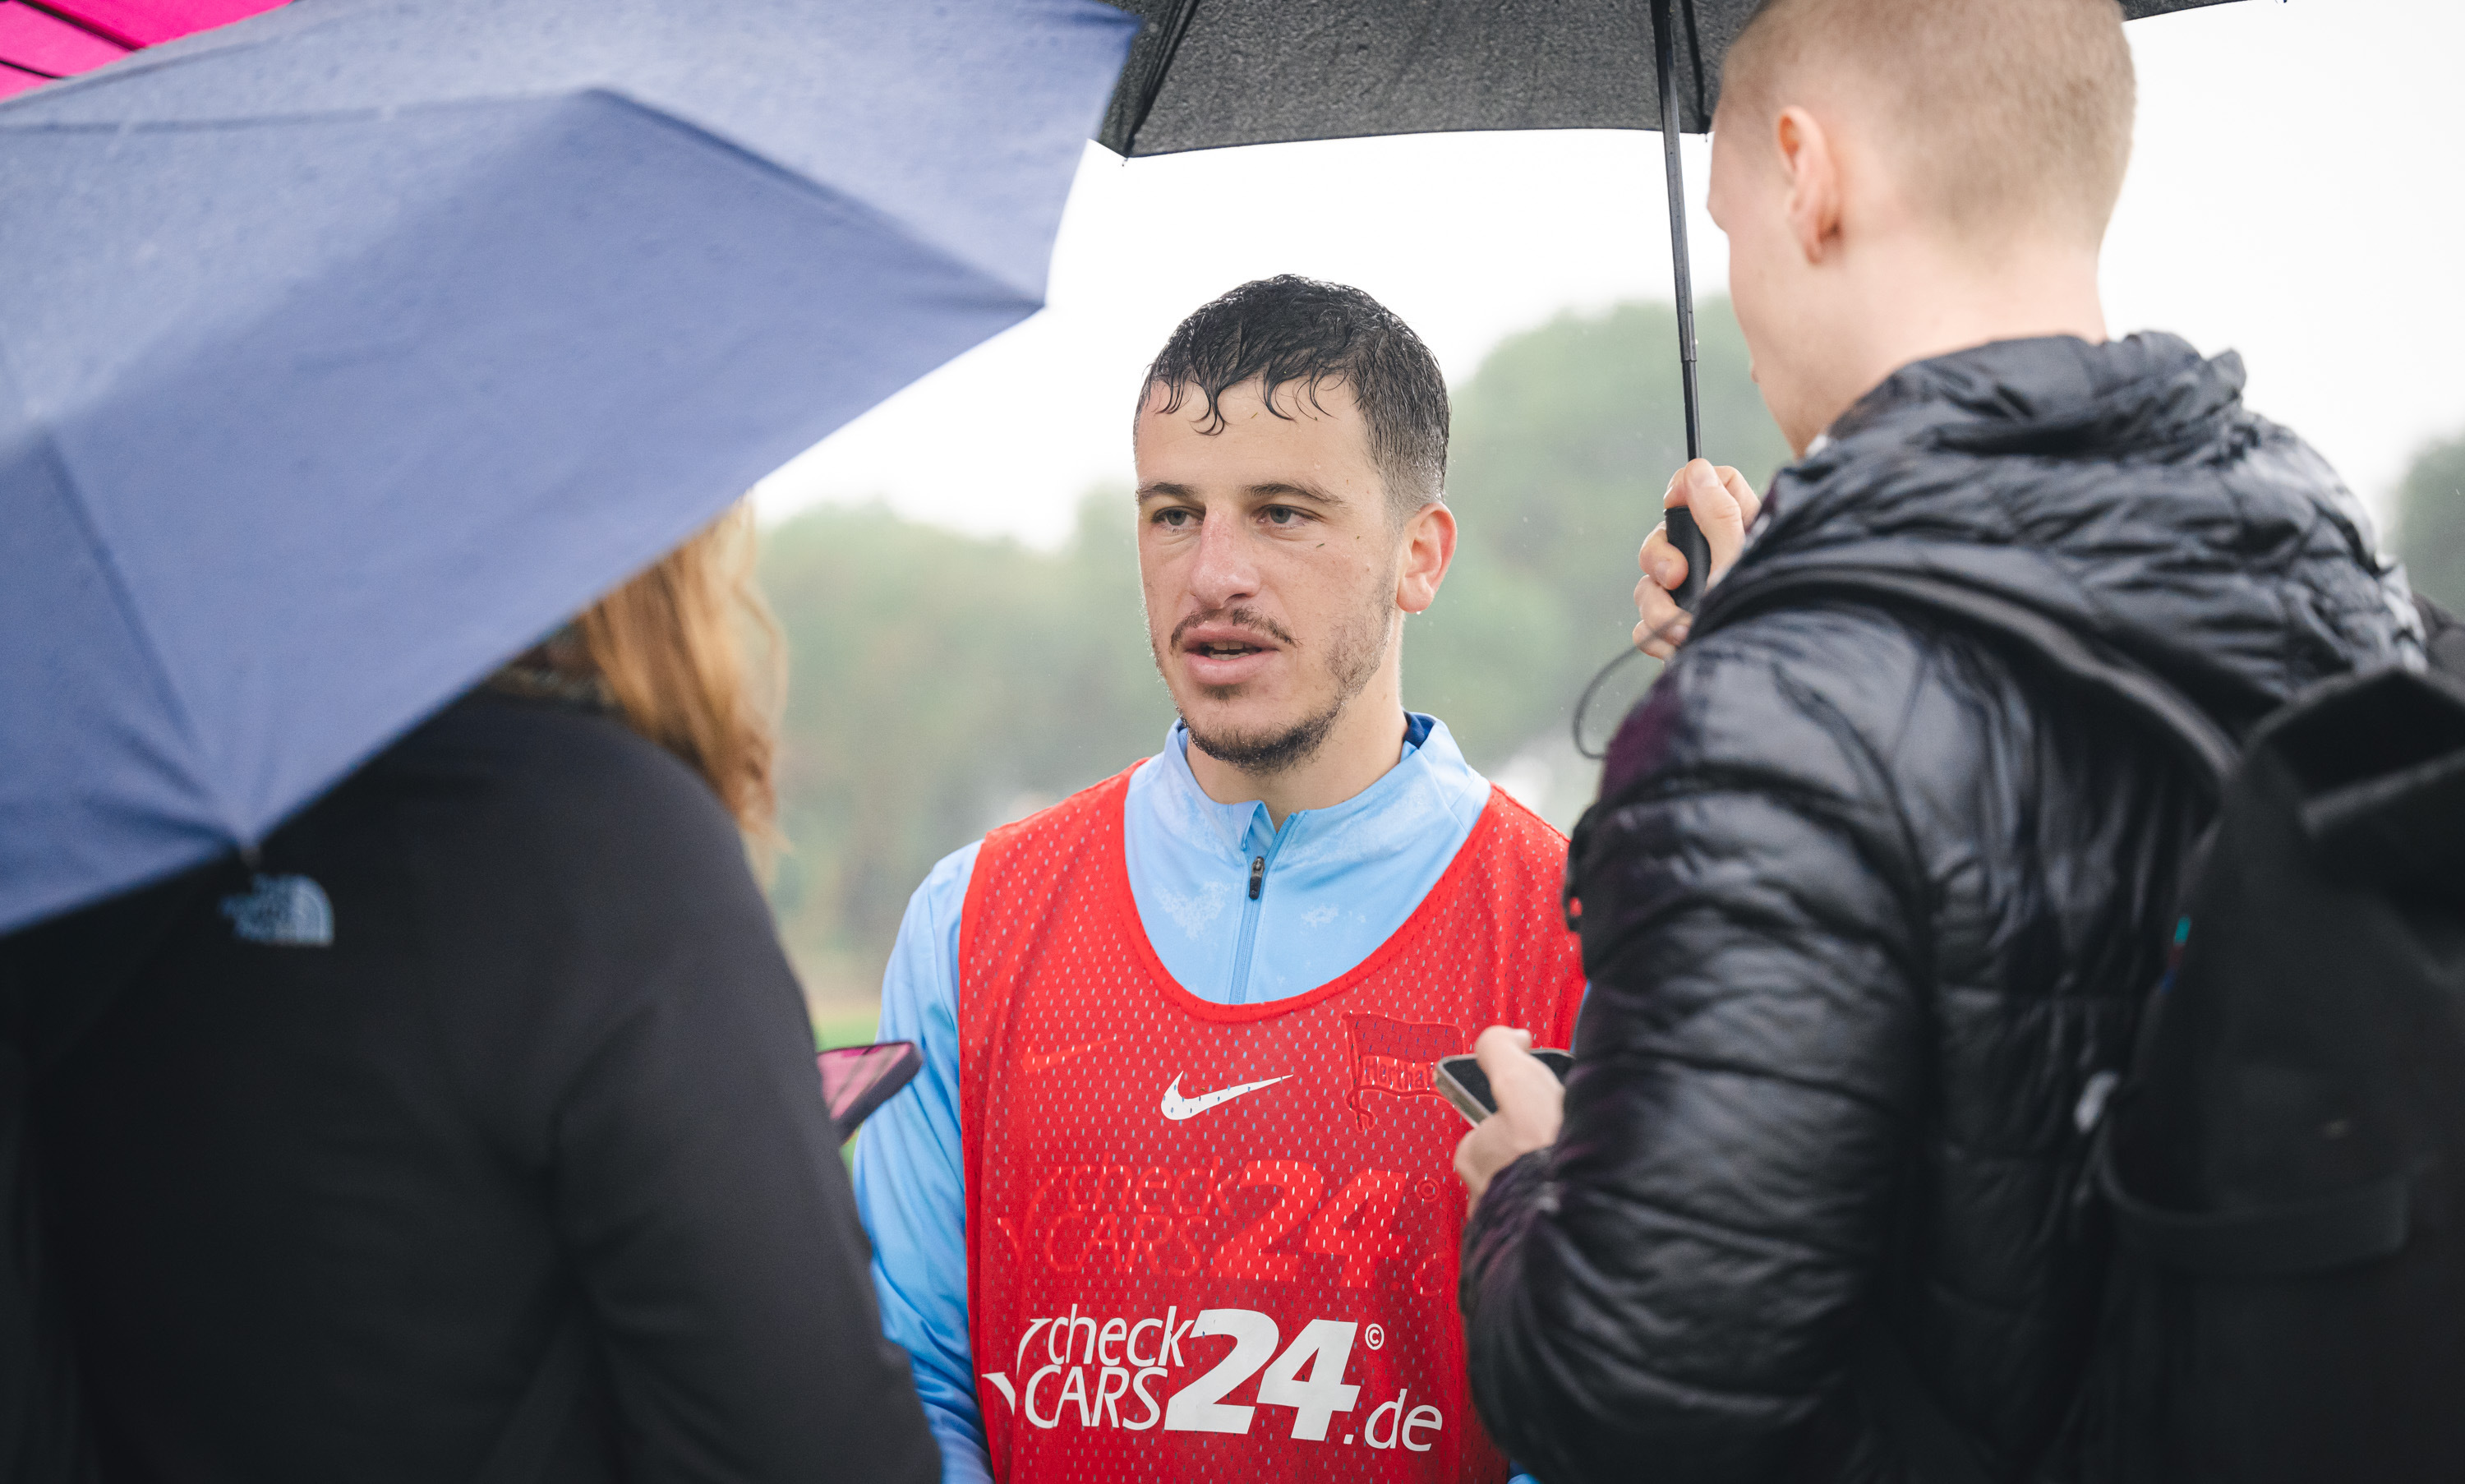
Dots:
pixel 1211 73
pixel 1206 74
pixel 57 39
pixel 350 347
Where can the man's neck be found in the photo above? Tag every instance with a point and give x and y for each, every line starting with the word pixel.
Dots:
pixel 1931 304
pixel 1367 740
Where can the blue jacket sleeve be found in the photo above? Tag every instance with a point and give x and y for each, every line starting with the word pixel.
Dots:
pixel 910 1189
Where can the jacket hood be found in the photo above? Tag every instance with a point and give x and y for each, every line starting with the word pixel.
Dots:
pixel 2122 488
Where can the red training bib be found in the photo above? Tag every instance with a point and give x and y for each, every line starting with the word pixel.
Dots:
pixel 1218 1241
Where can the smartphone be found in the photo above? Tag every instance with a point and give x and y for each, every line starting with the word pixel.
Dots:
pixel 858 1079
pixel 1460 1080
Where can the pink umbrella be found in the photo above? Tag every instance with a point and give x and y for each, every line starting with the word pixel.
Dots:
pixel 43 39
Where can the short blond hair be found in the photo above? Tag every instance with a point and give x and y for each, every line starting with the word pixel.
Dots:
pixel 2013 116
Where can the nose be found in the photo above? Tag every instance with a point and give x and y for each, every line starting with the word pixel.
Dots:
pixel 1224 573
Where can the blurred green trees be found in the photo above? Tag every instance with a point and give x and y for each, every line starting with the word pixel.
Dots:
pixel 1564 442
pixel 943 683
pixel 2430 523
pixel 939 684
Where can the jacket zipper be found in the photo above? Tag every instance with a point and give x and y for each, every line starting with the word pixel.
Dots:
pixel 1258 864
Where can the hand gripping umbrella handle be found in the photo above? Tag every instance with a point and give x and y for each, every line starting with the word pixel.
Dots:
pixel 1684 535
pixel 1687 538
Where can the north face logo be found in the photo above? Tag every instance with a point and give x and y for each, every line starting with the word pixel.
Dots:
pixel 1394 1057
pixel 288 911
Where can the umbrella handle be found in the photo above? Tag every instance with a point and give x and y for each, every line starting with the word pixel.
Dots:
pixel 1687 538
pixel 1683 533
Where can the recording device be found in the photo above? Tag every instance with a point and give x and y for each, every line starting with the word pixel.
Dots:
pixel 1460 1080
pixel 858 1079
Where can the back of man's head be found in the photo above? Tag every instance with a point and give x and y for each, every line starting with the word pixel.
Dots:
pixel 1303 333
pixel 2003 118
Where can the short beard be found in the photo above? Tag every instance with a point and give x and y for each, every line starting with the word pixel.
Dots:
pixel 1353 655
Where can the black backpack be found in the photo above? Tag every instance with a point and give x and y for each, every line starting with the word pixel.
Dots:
pixel 2283 1163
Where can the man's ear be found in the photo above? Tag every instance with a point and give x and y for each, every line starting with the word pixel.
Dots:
pixel 1813 173
pixel 1429 547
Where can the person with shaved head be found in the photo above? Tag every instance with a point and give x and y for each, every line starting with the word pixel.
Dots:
pixel 1870 903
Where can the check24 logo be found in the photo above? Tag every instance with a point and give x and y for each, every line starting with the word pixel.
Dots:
pixel 1307 1377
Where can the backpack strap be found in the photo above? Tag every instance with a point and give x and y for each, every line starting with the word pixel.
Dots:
pixel 2076 657
pixel 527 1446
pixel 2082 661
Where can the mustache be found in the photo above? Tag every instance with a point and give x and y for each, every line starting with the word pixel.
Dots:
pixel 1236 617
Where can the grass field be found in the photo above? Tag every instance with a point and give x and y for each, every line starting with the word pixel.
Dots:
pixel 845 1028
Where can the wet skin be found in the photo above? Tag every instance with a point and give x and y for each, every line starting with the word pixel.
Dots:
pixel 1276 581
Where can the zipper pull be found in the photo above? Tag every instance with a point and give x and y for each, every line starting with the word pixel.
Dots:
pixel 1258 874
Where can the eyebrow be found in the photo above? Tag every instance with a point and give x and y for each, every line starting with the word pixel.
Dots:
pixel 1163 489
pixel 1308 492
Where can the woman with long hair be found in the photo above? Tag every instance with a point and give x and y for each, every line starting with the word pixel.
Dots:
pixel 472 1129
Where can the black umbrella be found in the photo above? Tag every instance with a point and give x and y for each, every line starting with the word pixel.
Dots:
pixel 1205 74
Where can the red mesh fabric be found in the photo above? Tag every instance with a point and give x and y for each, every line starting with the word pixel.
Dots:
pixel 1218 1241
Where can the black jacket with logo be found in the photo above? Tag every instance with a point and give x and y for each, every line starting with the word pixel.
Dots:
pixel 328 1173
pixel 1868 907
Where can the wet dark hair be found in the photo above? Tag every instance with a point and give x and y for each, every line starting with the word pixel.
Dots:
pixel 1287 329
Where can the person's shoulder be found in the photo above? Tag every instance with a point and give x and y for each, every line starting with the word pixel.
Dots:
pixel 554 757
pixel 938 899
pixel 1521 830
pixel 2300 529
pixel 547 865
pixel 574 799
pixel 1073 818
pixel 951 872
pixel 1823 653
pixel 1023 872
pixel 1817 696
pixel 1524 857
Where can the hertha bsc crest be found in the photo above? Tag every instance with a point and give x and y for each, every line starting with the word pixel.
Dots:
pixel 1394 1058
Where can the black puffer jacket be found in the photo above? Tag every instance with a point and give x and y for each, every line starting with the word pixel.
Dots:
pixel 1867 907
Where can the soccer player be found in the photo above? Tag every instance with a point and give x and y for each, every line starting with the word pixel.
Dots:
pixel 1171 1199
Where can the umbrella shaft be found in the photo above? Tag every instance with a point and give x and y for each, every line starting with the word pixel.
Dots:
pixel 1664 56
pixel 1683 533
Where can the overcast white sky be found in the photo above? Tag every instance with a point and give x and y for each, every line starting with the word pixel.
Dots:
pixel 2292 196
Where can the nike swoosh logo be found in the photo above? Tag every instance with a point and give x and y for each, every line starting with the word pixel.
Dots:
pixel 1177 1107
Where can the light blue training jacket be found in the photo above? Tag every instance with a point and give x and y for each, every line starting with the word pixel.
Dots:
pixel 1337 882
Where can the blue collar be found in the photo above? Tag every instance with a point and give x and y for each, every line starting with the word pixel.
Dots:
pixel 1432 776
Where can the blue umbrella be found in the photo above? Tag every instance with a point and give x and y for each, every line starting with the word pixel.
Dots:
pixel 345 349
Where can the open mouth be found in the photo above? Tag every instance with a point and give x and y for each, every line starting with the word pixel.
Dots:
pixel 1230 647
pixel 1227 651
